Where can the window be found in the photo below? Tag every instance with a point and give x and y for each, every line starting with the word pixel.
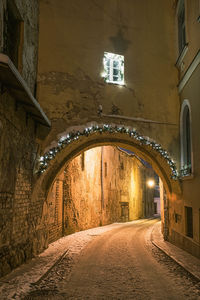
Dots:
pixel 181 26
pixel 113 68
pixel 186 161
pixel 13 28
pixel 189 221
pixel 105 168
pixel 198 19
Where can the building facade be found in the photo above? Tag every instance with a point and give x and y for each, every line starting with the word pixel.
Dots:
pixel 120 63
pixel 188 65
pixel 111 64
pixel 105 73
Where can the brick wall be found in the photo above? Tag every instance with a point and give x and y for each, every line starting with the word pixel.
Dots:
pixel 55 210
pixel 19 216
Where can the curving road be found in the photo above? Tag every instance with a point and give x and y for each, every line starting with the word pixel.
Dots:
pixel 123 264
pixel 119 265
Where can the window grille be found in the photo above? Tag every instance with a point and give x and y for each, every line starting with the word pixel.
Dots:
pixel 113 68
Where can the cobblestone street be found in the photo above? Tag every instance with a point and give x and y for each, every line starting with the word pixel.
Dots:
pixel 115 262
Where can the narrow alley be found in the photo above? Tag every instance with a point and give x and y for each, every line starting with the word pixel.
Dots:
pixel 99 149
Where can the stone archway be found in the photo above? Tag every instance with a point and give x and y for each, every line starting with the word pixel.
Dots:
pixel 72 144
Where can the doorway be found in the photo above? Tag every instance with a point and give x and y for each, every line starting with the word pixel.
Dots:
pixel 124 211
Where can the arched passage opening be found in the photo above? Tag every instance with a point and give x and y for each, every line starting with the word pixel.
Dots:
pixel 142 147
pixel 102 185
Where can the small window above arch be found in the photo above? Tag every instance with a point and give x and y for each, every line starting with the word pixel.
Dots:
pixel 113 68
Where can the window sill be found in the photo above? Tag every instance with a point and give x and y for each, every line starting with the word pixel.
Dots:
pixel 187 177
pixel 115 83
pixel 181 56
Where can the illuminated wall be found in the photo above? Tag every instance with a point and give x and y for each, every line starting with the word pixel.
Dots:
pixel 100 186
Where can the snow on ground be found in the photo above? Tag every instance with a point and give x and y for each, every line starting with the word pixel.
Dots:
pixel 20 280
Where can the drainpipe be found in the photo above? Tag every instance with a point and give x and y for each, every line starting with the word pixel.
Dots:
pixel 63 210
pixel 166 216
pixel 102 189
pixel 144 195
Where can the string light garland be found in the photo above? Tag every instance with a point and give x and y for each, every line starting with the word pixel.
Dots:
pixel 73 136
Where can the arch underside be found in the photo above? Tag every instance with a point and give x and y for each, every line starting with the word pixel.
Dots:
pixel 72 150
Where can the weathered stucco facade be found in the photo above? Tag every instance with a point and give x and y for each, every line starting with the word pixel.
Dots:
pixel 186 225
pixel 73 93
pixel 72 42
pixel 71 88
pixel 146 114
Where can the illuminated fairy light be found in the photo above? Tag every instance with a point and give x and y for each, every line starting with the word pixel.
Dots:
pixel 113 68
pixel 74 136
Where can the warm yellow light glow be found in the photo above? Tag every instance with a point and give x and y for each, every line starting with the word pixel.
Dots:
pixel 132 183
pixel 151 183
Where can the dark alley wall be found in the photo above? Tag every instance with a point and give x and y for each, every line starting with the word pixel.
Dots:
pixel 20 218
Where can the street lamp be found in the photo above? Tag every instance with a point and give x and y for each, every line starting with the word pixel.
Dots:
pixel 151 183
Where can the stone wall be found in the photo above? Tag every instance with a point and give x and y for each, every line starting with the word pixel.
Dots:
pixel 55 210
pixel 22 234
pixel 18 215
pixel 98 187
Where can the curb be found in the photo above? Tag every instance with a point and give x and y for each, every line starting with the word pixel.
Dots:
pixel 177 261
pixel 172 254
pixel 48 271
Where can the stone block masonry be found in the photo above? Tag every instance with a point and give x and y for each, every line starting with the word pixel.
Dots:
pixel 21 233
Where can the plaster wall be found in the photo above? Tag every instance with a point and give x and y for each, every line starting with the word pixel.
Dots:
pixel 190 184
pixel 72 41
pixel 192 12
pixel 190 92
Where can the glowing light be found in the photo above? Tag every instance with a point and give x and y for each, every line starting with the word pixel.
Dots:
pixel 113 68
pixel 62 138
pixel 151 183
